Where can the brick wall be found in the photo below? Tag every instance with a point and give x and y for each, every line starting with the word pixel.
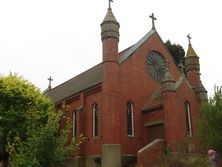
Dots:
pixel 131 81
pixel 136 85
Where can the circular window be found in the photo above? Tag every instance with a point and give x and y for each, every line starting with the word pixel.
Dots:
pixel 156 65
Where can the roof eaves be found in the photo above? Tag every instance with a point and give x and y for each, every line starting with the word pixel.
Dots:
pixel 57 101
pixel 125 55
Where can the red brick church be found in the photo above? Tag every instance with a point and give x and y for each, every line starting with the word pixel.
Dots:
pixel 134 103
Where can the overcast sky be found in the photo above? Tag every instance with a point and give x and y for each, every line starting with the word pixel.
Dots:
pixel 61 38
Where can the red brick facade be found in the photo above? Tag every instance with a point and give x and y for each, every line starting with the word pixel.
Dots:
pixel 125 78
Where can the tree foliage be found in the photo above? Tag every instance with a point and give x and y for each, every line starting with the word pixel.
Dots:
pixel 29 126
pixel 181 156
pixel 48 146
pixel 176 51
pixel 210 126
pixel 181 160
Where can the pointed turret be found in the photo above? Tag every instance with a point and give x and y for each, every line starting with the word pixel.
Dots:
pixel 110 36
pixel 168 82
pixel 110 26
pixel 192 66
pixel 191 59
pixel 111 149
pixel 201 93
pixel 191 52
pixel 170 111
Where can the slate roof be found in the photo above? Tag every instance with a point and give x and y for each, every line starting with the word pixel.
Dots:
pixel 154 101
pixel 81 82
pixel 92 76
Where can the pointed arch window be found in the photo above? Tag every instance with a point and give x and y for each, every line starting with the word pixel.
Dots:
pixel 188 119
pixel 95 119
pixel 74 123
pixel 130 122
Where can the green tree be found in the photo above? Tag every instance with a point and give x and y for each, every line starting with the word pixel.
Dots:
pixel 210 126
pixel 176 51
pixel 48 146
pixel 29 126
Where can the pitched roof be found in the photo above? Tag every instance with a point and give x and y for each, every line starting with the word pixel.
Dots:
pixel 81 82
pixel 154 101
pixel 191 52
pixel 128 52
pixel 92 76
pixel 109 16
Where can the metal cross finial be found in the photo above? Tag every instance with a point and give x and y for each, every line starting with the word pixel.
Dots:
pixel 110 3
pixel 189 37
pixel 50 81
pixel 153 19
